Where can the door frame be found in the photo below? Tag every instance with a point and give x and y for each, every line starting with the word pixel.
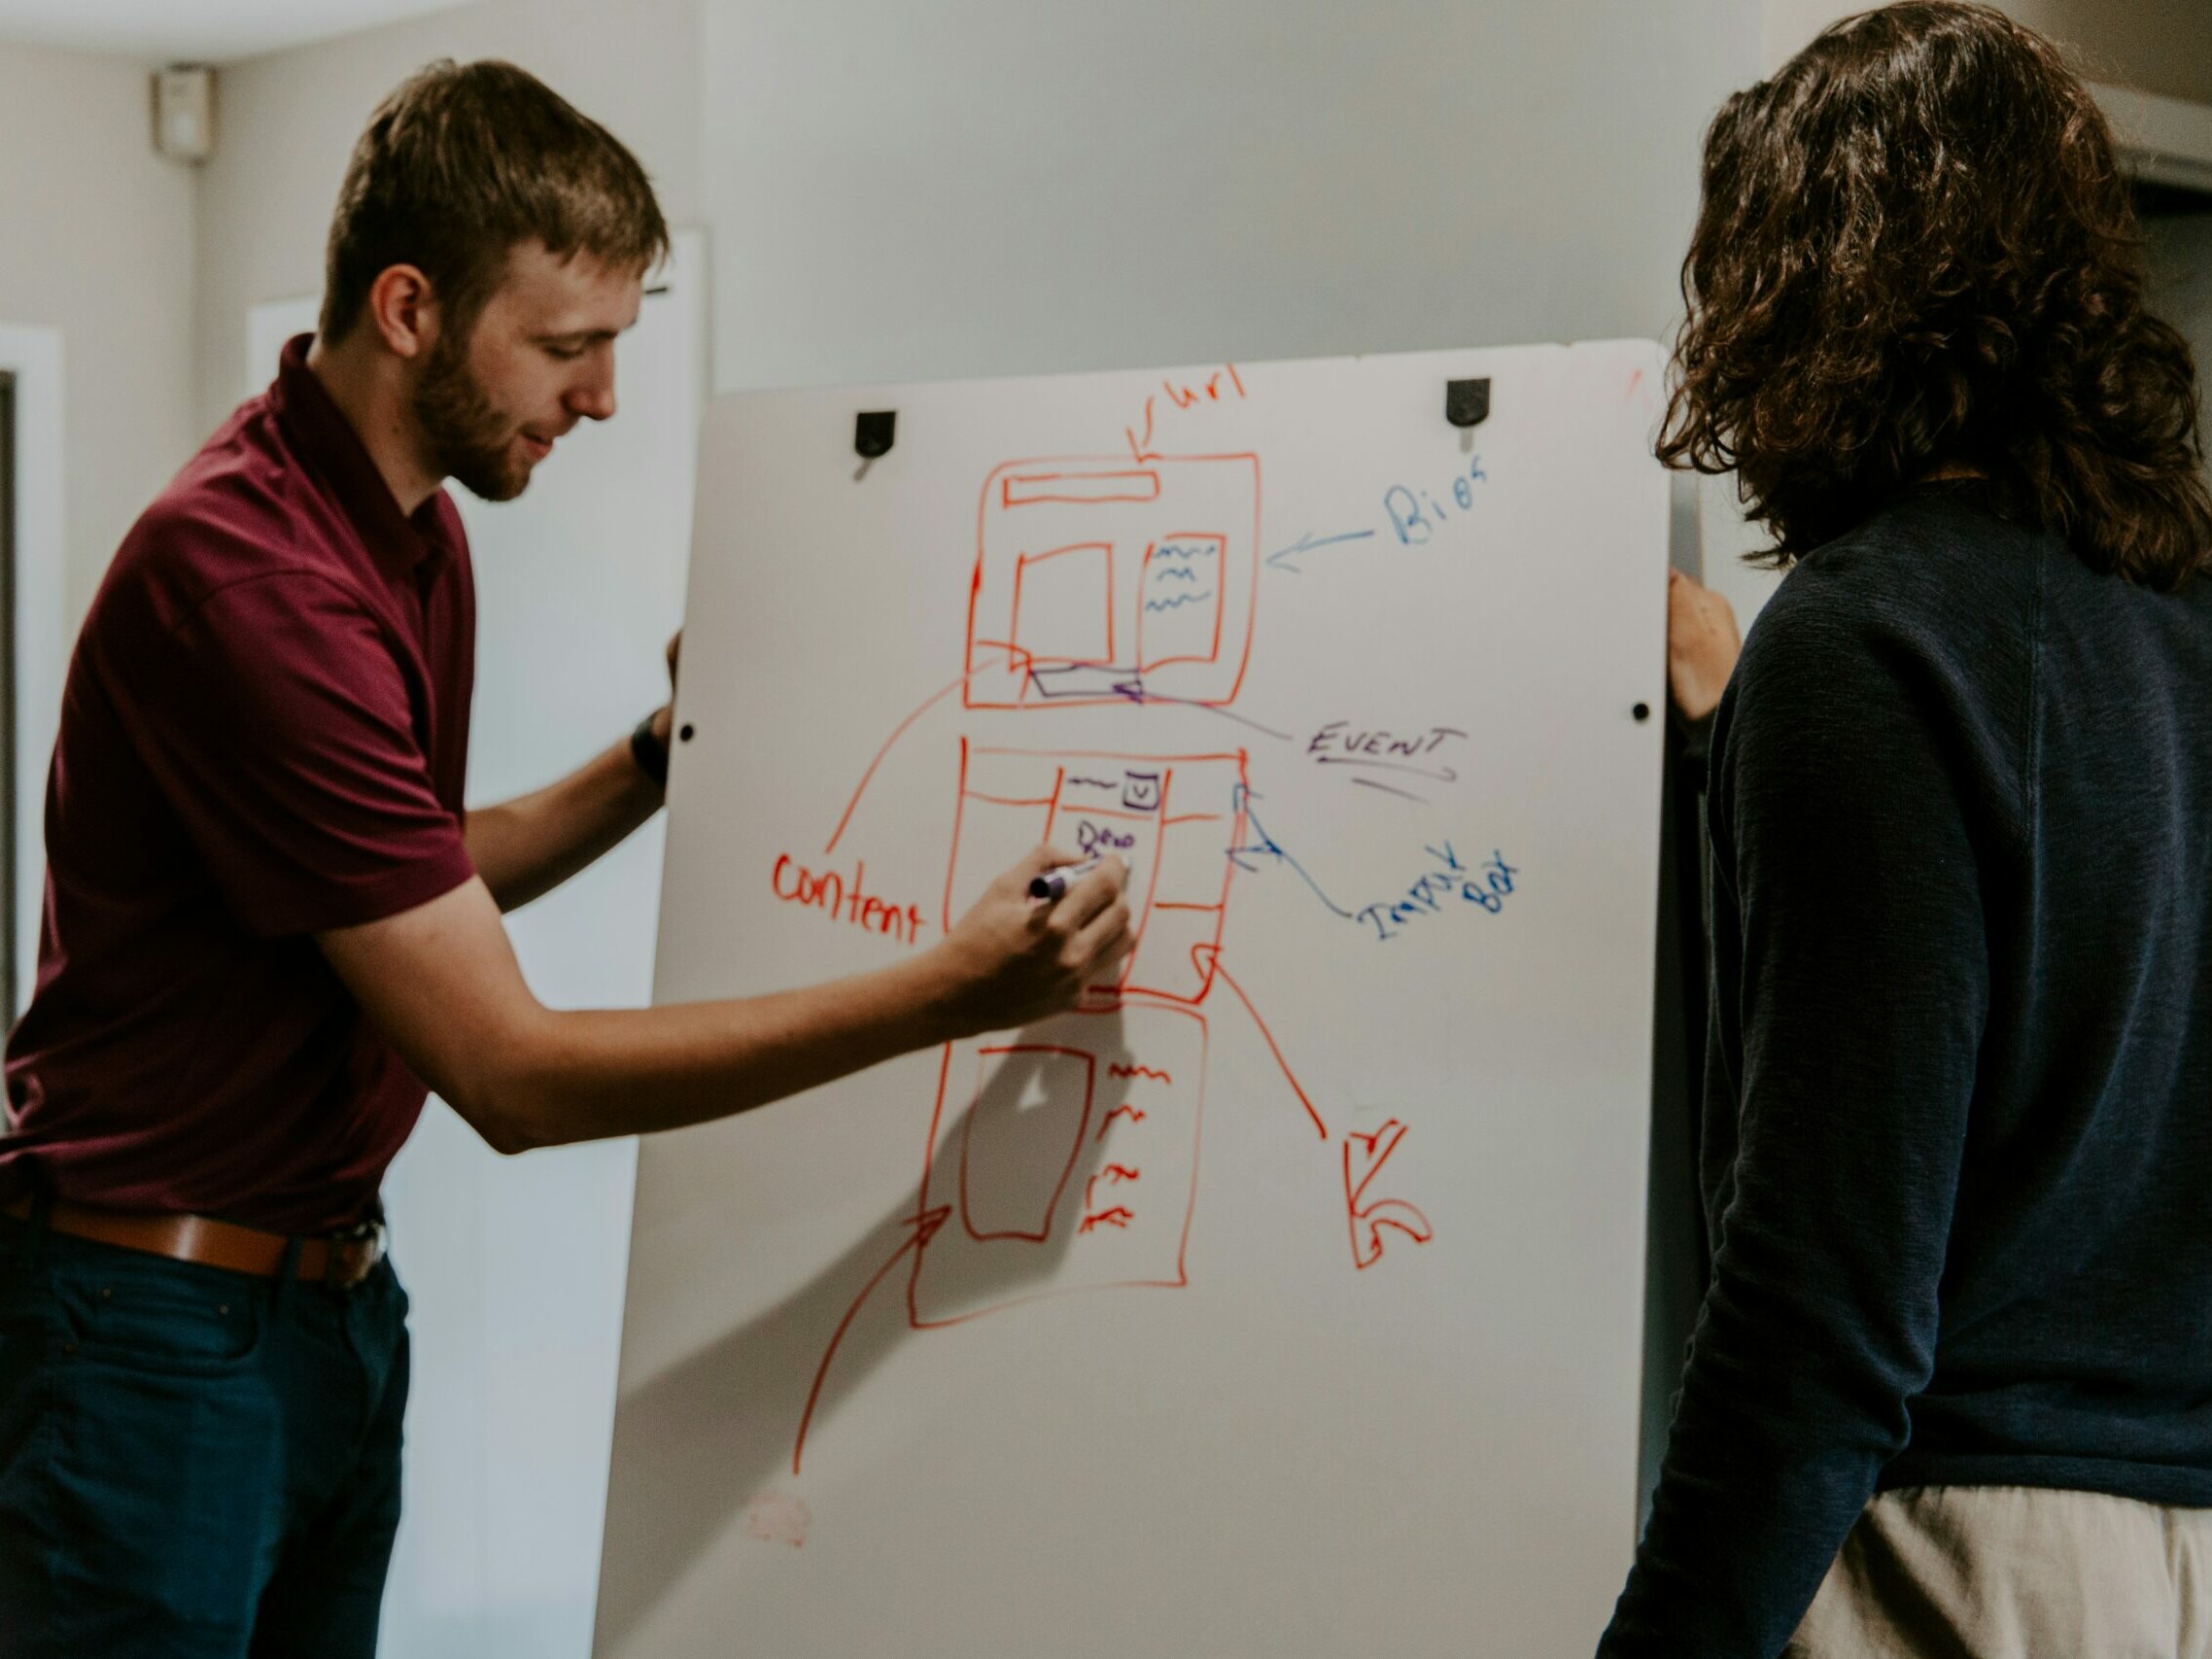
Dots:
pixel 38 651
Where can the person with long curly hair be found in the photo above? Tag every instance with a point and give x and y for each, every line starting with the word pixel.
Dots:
pixel 1951 1387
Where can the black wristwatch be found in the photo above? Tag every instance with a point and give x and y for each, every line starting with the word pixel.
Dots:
pixel 650 752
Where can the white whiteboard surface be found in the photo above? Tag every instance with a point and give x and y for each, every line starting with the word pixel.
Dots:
pixel 1289 1301
pixel 514 1266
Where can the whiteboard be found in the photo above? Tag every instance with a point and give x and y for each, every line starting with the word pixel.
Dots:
pixel 1285 1297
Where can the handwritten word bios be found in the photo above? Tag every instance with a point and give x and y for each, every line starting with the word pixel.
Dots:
pixel 1447 886
pixel 1416 515
pixel 845 901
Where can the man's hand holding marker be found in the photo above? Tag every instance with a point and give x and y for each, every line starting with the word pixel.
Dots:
pixel 1020 955
pixel 1054 883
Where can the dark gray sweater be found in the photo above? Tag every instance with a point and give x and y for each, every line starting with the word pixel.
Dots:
pixel 1957 1156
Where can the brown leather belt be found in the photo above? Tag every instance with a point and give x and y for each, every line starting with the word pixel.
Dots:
pixel 340 1260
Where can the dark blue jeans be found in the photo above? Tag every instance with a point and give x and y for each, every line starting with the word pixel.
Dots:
pixel 193 1464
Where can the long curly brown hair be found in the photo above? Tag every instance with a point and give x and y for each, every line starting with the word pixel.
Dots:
pixel 1915 253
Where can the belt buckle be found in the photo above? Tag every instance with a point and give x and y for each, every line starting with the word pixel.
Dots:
pixel 352 1255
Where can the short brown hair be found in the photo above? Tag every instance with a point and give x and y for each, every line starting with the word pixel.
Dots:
pixel 462 164
pixel 1916 249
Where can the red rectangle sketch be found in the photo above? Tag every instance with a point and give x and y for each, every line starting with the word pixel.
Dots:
pixel 1024 1131
pixel 1180 619
pixel 1063 605
pixel 1099 584
pixel 1172 819
pixel 1018 488
pixel 1067 1159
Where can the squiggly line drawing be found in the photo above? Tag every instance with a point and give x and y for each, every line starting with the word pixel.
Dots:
pixel 1130 1112
pixel 1156 1075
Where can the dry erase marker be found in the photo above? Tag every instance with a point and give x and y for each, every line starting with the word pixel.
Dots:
pixel 1053 883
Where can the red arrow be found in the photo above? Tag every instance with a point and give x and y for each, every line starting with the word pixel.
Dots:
pixel 924 1229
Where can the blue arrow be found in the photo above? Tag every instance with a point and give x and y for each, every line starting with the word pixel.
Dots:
pixel 1264 846
pixel 1307 543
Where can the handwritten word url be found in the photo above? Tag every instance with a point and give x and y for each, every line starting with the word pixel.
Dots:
pixel 1486 887
pixel 845 901
pixel 1218 386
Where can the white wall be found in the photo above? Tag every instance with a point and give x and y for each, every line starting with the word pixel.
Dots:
pixel 2179 255
pixel 95 241
pixel 984 186
pixel 2156 46
pixel 95 244
pixel 286 124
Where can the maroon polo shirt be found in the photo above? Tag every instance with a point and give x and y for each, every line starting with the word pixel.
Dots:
pixel 264 735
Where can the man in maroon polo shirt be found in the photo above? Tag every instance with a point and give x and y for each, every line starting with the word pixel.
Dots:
pixel 270 922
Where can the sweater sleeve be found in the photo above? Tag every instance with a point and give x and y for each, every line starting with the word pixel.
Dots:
pixel 1854 971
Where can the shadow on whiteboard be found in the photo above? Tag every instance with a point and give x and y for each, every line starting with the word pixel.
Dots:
pixel 703 1442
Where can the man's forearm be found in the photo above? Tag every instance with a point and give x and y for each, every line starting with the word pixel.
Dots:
pixel 441 982
pixel 528 846
pixel 588 1075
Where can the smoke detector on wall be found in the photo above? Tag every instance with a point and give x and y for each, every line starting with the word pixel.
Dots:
pixel 184 112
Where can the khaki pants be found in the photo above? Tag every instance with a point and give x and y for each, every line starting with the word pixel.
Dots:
pixel 2015 1573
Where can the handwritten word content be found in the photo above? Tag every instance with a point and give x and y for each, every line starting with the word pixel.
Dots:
pixel 1416 515
pixel 845 901
pixel 1446 886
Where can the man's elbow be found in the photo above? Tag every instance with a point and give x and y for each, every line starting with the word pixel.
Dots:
pixel 504 1103
pixel 507 1133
